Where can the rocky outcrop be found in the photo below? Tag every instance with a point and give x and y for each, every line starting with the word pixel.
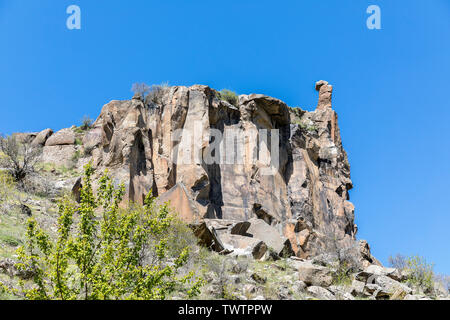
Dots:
pixel 284 198
pixel 61 138
pixel 25 137
pixel 41 137
pixel 257 159
pixel 61 155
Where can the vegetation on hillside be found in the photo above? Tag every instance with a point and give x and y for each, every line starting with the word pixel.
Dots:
pixel 420 272
pixel 103 251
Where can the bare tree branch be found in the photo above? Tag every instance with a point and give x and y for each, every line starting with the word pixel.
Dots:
pixel 18 158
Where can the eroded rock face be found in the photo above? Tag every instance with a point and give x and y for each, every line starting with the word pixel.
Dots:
pixel 177 147
pixel 306 197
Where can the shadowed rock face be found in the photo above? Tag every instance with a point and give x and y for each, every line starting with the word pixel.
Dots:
pixel 305 198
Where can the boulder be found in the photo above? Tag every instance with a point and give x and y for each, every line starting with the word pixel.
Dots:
pixel 376 291
pixel 61 138
pixel 398 294
pixel 340 293
pixel 229 226
pixel 272 238
pixel 207 237
pixel 25 137
pixel 92 139
pixel 243 246
pixel 320 293
pixel 314 275
pixel 357 288
pixel 387 287
pixel 299 286
pixel 41 137
pixel 59 155
pixel 374 270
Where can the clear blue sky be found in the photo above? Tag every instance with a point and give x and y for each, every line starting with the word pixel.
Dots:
pixel 391 85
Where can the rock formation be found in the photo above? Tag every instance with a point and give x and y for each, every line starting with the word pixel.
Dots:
pixel 163 147
pixel 255 178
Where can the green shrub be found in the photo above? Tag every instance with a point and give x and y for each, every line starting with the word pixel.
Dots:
pixel 229 96
pixel 421 273
pixel 123 254
pixel 86 123
pixel 305 126
pixel 10 241
pixel 342 276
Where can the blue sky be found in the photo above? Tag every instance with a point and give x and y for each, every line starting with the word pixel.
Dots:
pixel 391 86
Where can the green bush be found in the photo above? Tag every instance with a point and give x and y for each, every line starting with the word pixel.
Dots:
pixel 86 123
pixel 229 96
pixel 342 276
pixel 10 241
pixel 305 126
pixel 421 273
pixel 121 254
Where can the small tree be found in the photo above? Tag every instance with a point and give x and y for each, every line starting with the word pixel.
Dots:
pixel 141 89
pixel 398 262
pixel 86 123
pixel 420 272
pixel 18 159
pixel 149 94
pixel 120 255
pixel 155 94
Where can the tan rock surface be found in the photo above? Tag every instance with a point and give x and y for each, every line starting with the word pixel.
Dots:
pixel 305 198
pixel 62 137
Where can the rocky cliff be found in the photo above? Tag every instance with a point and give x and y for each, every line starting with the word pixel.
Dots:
pixel 255 179
pixel 177 146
